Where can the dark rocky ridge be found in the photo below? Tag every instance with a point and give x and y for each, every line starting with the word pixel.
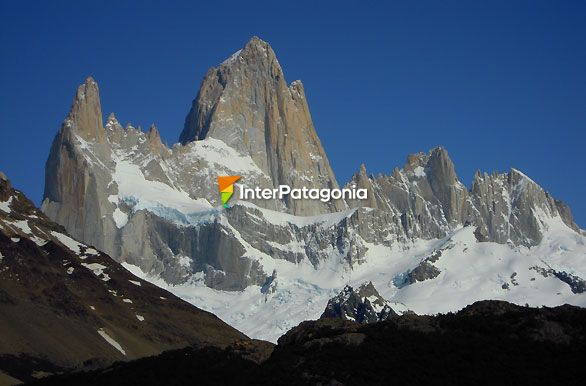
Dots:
pixel 53 302
pixel 487 343
pixel 360 305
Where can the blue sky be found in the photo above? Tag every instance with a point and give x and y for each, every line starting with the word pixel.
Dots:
pixel 499 84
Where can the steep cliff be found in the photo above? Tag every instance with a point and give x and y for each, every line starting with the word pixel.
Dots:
pixel 247 104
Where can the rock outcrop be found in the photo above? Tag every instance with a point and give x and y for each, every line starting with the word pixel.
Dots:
pixel 362 305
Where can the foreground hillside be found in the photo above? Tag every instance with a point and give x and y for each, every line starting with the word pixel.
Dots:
pixel 65 305
pixel 488 342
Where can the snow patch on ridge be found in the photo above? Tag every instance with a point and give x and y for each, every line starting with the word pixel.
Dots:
pixel 70 243
pixel 5 205
pixel 221 156
pixel 419 171
pixel 97 269
pixel 232 58
pixel 133 184
pixel 120 218
pixel 281 218
pixel 517 171
pixel 111 341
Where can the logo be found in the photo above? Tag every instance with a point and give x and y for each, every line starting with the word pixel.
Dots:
pixel 304 193
pixel 226 186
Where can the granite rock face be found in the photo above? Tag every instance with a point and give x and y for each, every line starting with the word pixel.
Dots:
pixel 75 181
pixel 431 201
pixel 509 206
pixel 247 104
pixel 426 194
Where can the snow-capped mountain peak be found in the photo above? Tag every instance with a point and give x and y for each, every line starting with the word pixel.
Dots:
pixel 422 237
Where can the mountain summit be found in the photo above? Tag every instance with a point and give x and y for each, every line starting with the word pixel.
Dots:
pixel 246 103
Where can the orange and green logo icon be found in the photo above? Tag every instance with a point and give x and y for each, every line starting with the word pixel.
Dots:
pixel 226 185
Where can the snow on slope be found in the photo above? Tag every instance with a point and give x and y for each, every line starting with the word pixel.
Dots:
pixel 221 156
pixel 111 341
pixel 132 184
pixel 280 218
pixel 5 205
pixel 184 169
pixel 469 271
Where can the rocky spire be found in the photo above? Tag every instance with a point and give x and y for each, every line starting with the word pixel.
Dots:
pixel 242 76
pixel 112 122
pixel 361 180
pixel 85 115
pixel 153 134
pixel 445 185
pixel 246 103
pixel 154 141
pixel 72 190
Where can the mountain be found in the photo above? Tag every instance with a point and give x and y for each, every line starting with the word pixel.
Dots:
pixel 360 305
pixel 421 236
pixel 431 202
pixel 487 343
pixel 65 305
pixel 247 104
